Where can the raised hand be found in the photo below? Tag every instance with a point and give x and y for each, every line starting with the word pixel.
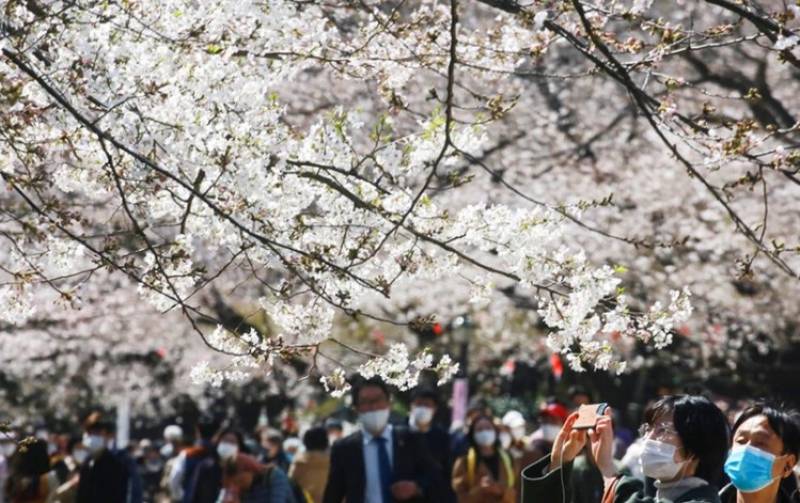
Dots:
pixel 568 443
pixel 602 442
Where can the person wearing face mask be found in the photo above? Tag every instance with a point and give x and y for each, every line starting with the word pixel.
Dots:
pixel 552 415
pixel 184 484
pixel 104 477
pixel 381 463
pixel 515 425
pixel 77 454
pixel 335 430
pixel 273 452
pixel 487 473
pixel 171 450
pixel 684 449
pixel 424 404
pixel 238 467
pixel 766 446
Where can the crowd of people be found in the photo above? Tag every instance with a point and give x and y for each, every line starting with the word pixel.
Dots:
pixel 687 451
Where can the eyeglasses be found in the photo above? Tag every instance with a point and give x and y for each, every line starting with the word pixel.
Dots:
pixel 660 431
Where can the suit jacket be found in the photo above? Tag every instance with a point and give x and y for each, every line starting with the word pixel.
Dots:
pixel 103 480
pixel 412 461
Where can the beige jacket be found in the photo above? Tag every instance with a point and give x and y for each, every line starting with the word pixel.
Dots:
pixel 310 470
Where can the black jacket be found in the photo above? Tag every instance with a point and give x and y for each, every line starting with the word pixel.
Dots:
pixel 103 480
pixel 411 461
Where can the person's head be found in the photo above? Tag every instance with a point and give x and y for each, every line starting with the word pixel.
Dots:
pixel 334 429
pixel 371 399
pixel 578 395
pixel 316 439
pixel 229 444
pixel 685 436
pixel 206 429
pixel 292 446
pixel 173 434
pixel 98 434
pixel 766 446
pixel 477 407
pixel 552 416
pixel 424 402
pixel 77 450
pixel 483 433
pixel 272 441
pixel 515 422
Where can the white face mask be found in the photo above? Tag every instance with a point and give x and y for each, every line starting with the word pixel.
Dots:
pixel 550 432
pixel 505 439
pixel 375 421
pixel 518 432
pixel 421 415
pixel 658 460
pixel 80 455
pixel 227 450
pixel 94 443
pixel 485 438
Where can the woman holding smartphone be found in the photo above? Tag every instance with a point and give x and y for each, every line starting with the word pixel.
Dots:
pixel 686 442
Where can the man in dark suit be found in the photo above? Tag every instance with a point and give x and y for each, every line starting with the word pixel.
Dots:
pixel 424 405
pixel 104 477
pixel 381 463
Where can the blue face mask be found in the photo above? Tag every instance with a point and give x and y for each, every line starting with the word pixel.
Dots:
pixel 749 468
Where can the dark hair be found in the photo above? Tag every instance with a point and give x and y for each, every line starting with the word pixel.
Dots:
pixel 702 428
pixel 425 394
pixel 374 382
pixel 28 463
pixel 471 434
pixel 784 422
pixel 95 422
pixel 73 441
pixel 316 439
pixel 207 427
pixel 239 438
pixel 577 389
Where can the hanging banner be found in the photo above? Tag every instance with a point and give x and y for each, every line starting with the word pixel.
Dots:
pixel 460 399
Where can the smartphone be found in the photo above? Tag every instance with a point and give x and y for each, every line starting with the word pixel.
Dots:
pixel 588 415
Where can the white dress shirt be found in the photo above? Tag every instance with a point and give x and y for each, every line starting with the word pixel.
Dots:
pixel 373 492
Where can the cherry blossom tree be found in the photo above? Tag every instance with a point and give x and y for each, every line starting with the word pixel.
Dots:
pixel 581 164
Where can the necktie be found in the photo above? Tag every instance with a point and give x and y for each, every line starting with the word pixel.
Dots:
pixel 384 468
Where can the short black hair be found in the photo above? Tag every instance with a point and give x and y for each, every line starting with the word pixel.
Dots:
pixel 207 427
pixel 425 394
pixel 316 439
pixel 375 382
pixel 577 389
pixel 702 428
pixel 784 422
pixel 96 422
